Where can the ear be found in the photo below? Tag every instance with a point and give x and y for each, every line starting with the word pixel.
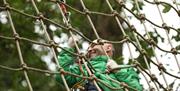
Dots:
pixel 109 47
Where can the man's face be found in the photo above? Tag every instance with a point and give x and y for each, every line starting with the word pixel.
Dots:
pixel 97 50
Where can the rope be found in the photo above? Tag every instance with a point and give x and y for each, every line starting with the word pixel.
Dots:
pixel 62 5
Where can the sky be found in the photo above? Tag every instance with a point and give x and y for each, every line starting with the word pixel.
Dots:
pixel 168 60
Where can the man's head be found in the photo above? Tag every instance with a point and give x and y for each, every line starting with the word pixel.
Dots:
pixel 97 49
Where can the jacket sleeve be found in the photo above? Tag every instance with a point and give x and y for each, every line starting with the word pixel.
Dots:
pixel 130 77
pixel 66 61
pixel 99 64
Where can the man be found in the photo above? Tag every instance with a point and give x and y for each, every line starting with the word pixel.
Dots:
pixel 100 64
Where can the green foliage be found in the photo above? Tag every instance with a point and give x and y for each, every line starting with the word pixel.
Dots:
pixel 149 52
pixel 135 8
pixel 148 49
pixel 119 60
pixel 106 27
pixel 178 47
pixel 25 28
pixel 177 37
pixel 171 85
pixel 9 56
pixel 141 60
pixel 167 8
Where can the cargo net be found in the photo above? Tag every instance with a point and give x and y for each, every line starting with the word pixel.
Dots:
pixel 144 32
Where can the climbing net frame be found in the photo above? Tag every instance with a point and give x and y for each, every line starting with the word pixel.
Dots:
pixel 126 39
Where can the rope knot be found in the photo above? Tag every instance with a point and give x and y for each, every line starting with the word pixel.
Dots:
pixel 92 77
pixel 81 55
pixel 69 27
pixel 121 4
pixel 86 11
pixel 151 41
pixel 115 13
pixel 136 64
pixel 161 67
pixel 164 25
pixel 142 17
pixel 133 28
pixel 61 71
pixel 40 16
pixel 100 41
pixel 52 43
pixel 16 36
pixel 6 6
pixel 23 66
pixel 157 2
pixel 126 37
pixel 174 51
pixel 143 52
pixel 153 77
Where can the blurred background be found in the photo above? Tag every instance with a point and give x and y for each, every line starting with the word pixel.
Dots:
pixel 41 57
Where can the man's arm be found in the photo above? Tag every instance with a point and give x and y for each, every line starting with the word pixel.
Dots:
pixel 130 77
pixel 66 61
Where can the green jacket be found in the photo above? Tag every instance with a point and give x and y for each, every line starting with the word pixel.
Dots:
pixel 127 75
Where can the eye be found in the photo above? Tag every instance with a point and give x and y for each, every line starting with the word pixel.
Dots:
pixel 92 51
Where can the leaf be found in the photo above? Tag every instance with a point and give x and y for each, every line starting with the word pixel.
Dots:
pixel 141 60
pixel 167 8
pixel 176 37
pixel 119 60
pixel 147 48
pixel 141 4
pixel 171 85
pixel 178 47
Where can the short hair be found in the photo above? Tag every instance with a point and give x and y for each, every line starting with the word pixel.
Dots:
pixel 95 42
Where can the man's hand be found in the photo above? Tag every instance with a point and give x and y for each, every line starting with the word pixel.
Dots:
pixel 73 39
pixel 111 64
